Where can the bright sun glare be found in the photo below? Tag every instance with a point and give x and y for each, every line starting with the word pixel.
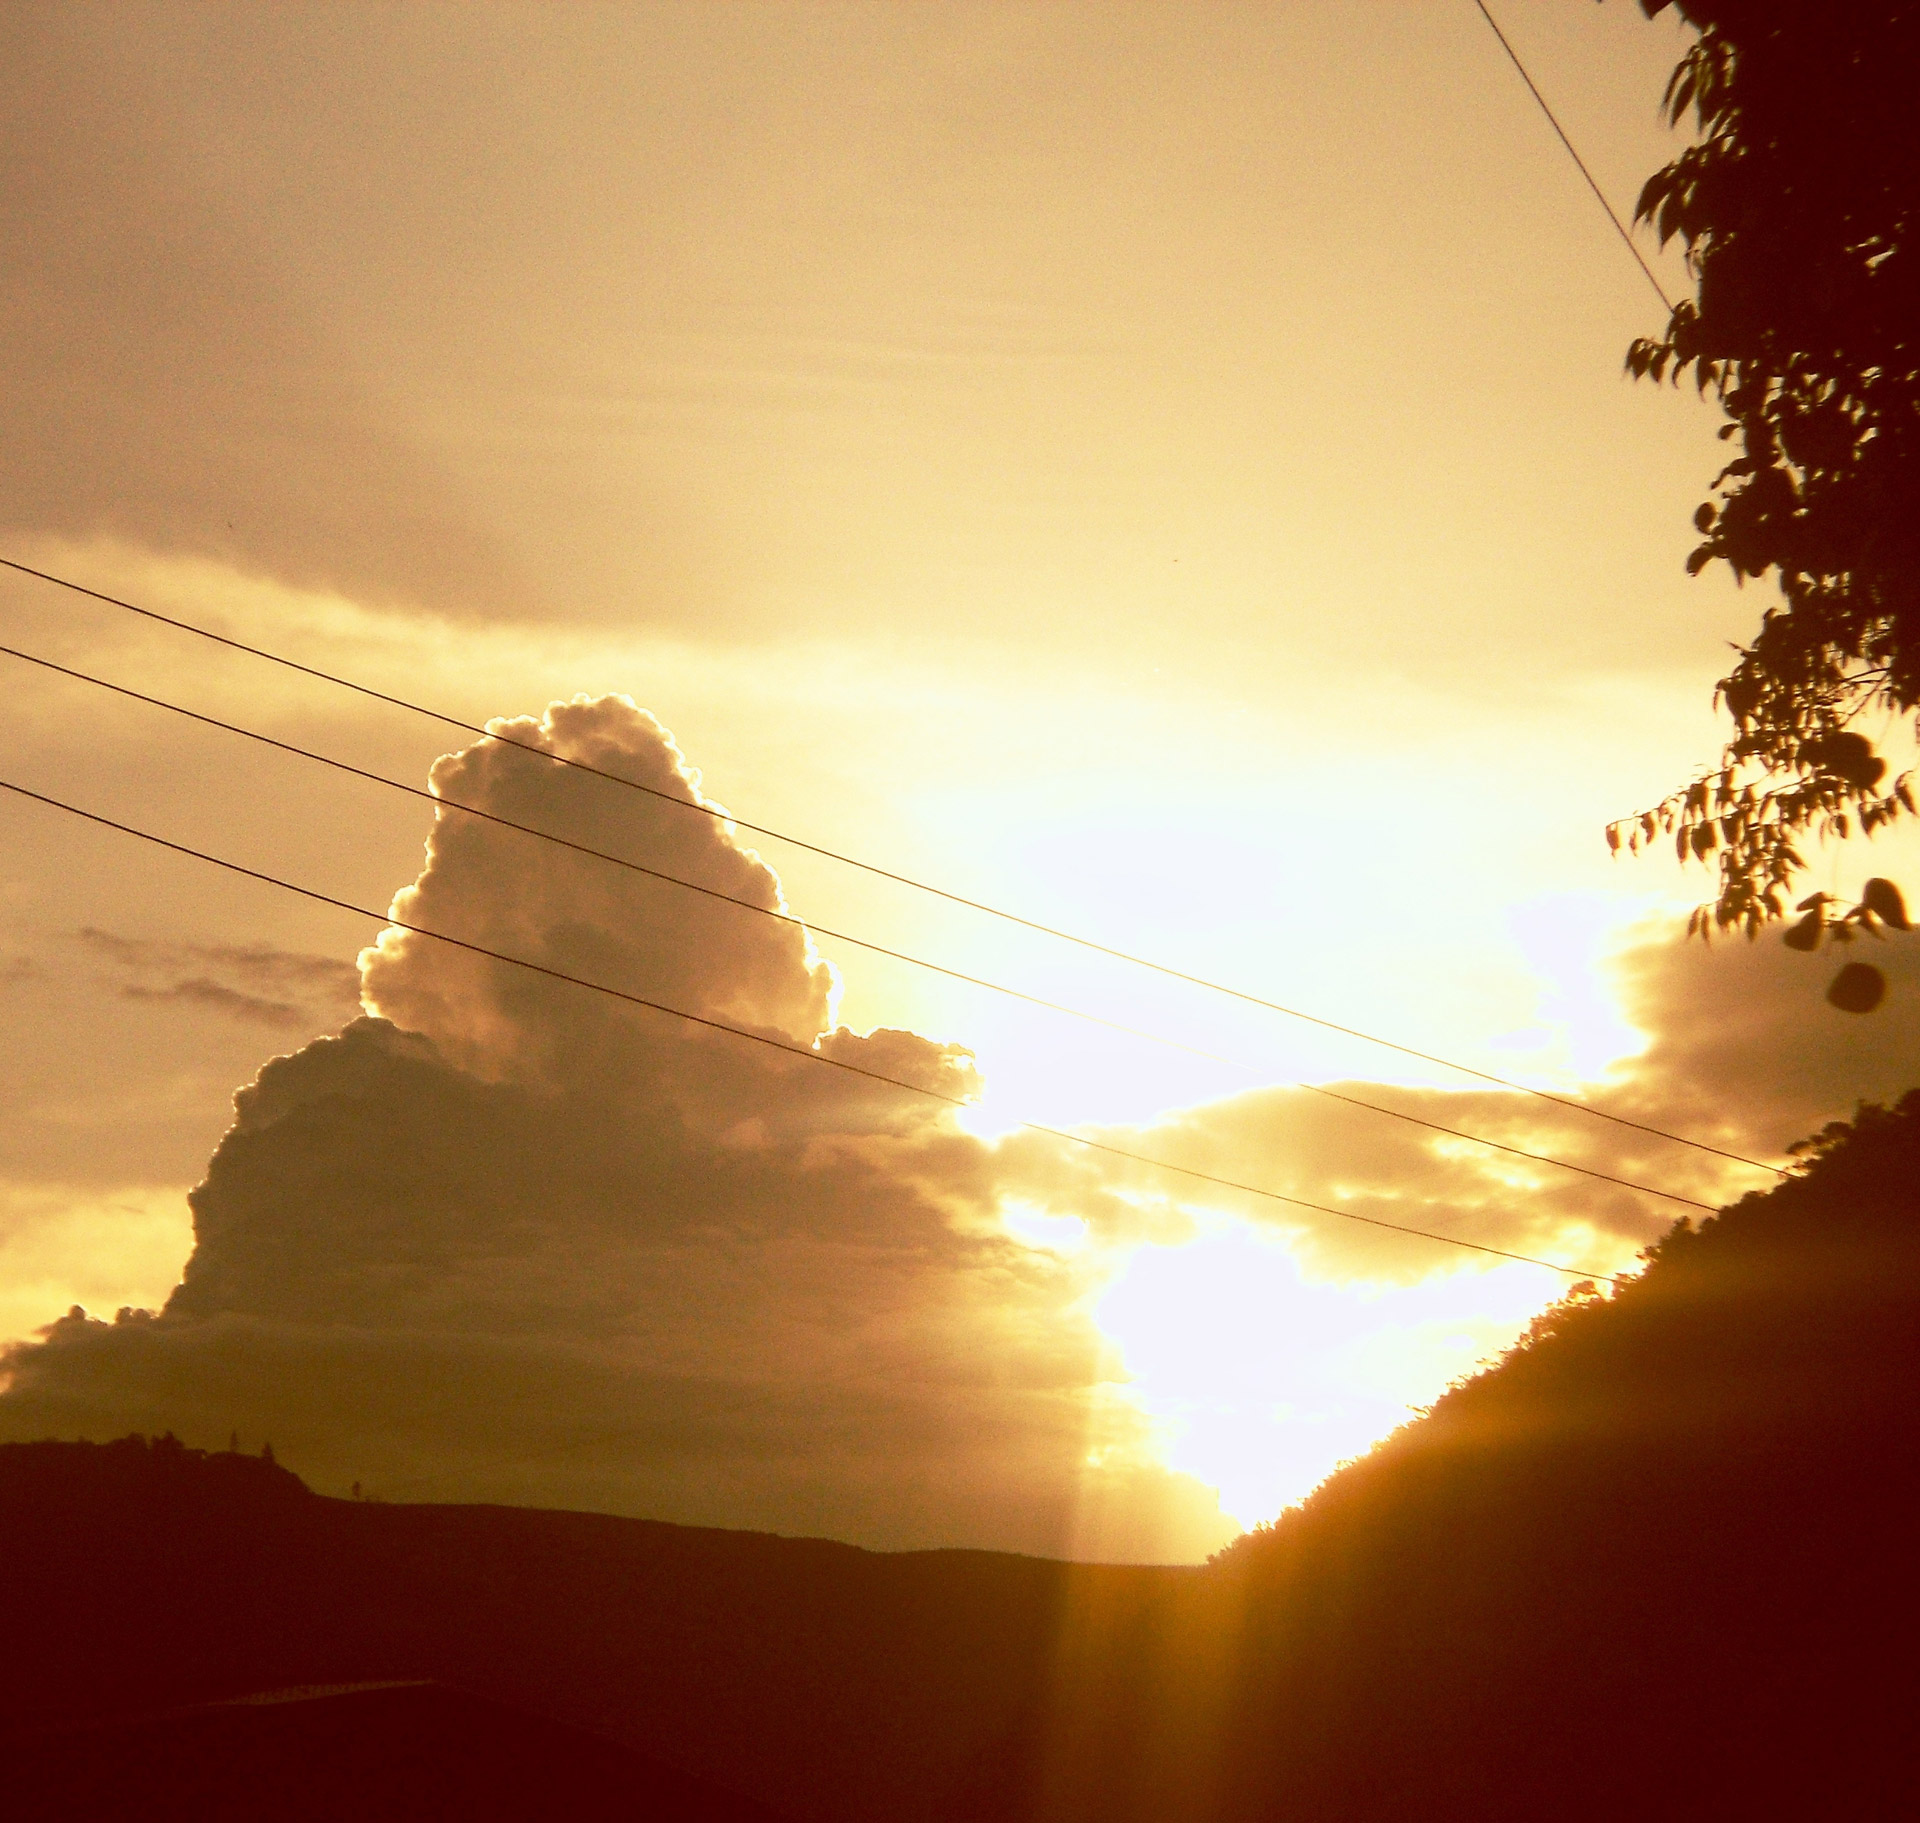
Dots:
pixel 1259 1378
pixel 1264 1380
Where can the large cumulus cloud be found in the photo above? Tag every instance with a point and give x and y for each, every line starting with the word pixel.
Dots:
pixel 572 912
pixel 503 1238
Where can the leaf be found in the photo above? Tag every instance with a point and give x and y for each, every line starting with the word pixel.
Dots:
pixel 1805 932
pixel 1883 899
pixel 1858 988
pixel 1846 756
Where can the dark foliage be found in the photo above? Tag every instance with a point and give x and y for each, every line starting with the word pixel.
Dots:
pixel 1797 206
pixel 1657 1562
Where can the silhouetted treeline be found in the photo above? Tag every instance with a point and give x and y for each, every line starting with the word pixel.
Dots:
pixel 1658 1562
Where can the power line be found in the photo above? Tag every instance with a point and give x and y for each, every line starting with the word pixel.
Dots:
pixel 654 873
pixel 1553 120
pixel 868 867
pixel 792 1050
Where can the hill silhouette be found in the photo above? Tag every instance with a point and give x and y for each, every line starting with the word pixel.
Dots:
pixel 824 1680
pixel 1656 1562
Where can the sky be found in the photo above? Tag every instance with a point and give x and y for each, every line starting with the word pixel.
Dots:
pixel 1164 471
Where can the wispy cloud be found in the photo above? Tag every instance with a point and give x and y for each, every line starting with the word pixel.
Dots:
pixel 253 983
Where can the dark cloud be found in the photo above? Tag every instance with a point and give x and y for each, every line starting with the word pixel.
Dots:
pixel 504 1238
pixel 253 983
pixel 1744 1048
pixel 438 1284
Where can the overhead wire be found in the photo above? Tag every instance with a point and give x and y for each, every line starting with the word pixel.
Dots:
pixel 719 814
pixel 804 1052
pixel 441 802
pixel 1553 120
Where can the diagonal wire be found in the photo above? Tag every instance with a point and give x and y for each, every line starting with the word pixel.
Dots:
pixel 794 1050
pixel 440 802
pixel 868 867
pixel 1553 120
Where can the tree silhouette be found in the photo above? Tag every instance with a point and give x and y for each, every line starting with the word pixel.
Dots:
pixel 1796 206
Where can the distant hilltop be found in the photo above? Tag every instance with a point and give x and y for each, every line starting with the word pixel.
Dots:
pixel 142 1468
pixel 1655 1562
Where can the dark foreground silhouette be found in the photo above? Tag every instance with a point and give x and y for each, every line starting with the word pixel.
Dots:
pixel 1661 1561
pixel 400 1751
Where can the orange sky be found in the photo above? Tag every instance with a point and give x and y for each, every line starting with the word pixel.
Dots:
pixel 1163 468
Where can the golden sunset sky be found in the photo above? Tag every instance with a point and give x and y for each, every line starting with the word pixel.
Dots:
pixel 1162 469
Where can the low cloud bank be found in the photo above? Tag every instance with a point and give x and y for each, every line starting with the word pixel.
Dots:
pixel 506 1239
